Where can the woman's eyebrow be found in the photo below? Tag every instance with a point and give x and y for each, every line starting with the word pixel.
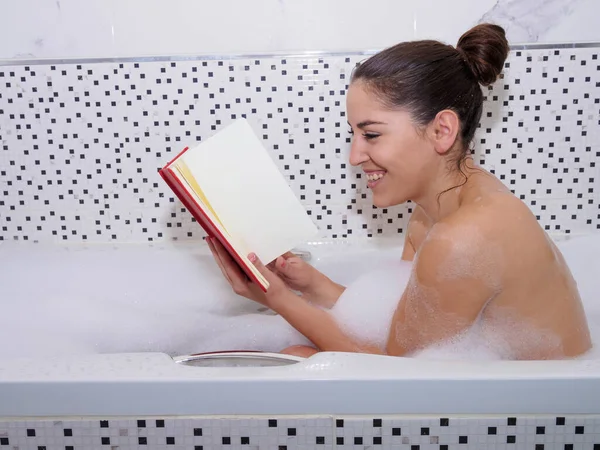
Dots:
pixel 366 123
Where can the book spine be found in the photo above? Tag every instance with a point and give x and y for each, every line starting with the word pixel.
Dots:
pixel 186 200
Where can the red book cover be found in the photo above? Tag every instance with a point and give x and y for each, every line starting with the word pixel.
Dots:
pixel 196 210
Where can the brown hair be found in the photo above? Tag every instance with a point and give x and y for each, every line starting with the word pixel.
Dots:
pixel 426 77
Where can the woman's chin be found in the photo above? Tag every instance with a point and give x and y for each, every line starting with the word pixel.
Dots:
pixel 382 201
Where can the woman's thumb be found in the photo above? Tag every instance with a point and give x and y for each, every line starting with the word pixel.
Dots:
pixel 288 266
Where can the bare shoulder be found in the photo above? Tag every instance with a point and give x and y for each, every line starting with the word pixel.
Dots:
pixel 482 237
pixel 494 218
pixel 459 251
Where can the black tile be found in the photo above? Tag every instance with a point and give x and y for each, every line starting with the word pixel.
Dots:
pixel 339 440
pixel 226 440
pixel 396 432
pixel 339 423
pixel 568 446
pixel 511 421
pixel 539 446
pixel 511 439
pixel 579 430
pixel 160 423
pixel 463 439
pixel 291 432
pixel 560 421
pixel 105 440
pixel 424 431
pixel 4 441
pixel 197 431
pixel 68 432
pixel 492 430
pixel 142 441
pixel 320 440
pixel 377 440
pixel 104 424
pixel 358 440
pixel 141 424
pixel 540 430
pixel 272 423
pixel 377 423
pixel 245 441
pixel 30 432
pixel 444 422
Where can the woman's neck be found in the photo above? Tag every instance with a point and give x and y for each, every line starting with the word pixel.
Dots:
pixel 444 195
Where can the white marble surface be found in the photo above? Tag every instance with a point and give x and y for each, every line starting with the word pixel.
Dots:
pixel 116 28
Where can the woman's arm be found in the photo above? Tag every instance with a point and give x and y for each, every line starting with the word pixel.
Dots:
pixel 318 326
pixel 452 281
pixel 313 322
pixel 323 291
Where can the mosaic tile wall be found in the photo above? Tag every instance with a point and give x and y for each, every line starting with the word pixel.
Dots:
pixel 322 433
pixel 81 143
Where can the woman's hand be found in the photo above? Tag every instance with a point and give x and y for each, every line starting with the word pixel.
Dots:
pixel 241 284
pixel 301 276
pixel 313 322
pixel 295 272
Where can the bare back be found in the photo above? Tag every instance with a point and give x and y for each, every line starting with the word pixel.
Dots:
pixel 523 292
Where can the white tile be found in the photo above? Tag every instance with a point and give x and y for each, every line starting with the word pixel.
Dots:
pixel 88 213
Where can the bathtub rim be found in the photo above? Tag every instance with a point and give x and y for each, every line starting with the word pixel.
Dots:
pixel 328 383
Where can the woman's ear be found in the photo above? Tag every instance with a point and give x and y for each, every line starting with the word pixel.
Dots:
pixel 443 131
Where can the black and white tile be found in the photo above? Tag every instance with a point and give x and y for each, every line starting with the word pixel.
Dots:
pixel 81 143
pixel 305 432
pixel 485 432
pixel 170 433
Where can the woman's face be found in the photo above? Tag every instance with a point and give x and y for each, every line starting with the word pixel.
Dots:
pixel 398 162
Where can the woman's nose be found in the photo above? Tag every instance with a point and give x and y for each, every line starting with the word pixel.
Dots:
pixel 357 154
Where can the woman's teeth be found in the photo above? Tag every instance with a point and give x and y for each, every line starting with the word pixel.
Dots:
pixel 374 176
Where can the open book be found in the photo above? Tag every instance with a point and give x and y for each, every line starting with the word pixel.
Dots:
pixel 232 187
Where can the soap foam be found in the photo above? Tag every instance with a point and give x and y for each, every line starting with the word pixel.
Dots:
pixel 130 298
pixel 136 298
pixel 366 308
pixel 492 340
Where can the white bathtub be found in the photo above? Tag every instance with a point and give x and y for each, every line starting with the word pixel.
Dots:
pixel 150 383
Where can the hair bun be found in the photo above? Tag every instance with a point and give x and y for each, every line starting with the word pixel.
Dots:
pixel 485 49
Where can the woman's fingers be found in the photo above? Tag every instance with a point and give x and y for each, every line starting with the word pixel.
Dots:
pixel 217 258
pixel 233 273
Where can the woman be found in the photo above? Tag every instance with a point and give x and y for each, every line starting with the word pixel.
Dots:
pixel 479 254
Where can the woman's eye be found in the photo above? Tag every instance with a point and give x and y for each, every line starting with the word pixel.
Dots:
pixel 369 136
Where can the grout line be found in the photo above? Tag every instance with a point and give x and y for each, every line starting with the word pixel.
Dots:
pixel 235 56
